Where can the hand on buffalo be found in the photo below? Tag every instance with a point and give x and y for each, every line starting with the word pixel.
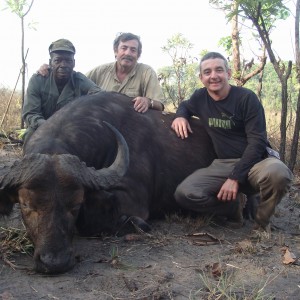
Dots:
pixel 182 127
pixel 141 104
pixel 43 70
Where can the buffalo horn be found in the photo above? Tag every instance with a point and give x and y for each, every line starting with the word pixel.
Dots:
pixel 22 170
pixel 108 177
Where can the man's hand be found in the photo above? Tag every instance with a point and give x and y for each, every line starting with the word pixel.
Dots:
pixel 228 190
pixel 43 70
pixel 141 104
pixel 182 127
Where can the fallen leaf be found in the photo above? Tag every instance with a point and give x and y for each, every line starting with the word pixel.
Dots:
pixel 6 295
pixel 131 237
pixel 203 239
pixel 245 244
pixel 283 249
pixel 216 269
pixel 289 257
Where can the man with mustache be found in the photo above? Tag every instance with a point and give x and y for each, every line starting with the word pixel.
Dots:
pixel 235 120
pixel 129 77
pixel 47 94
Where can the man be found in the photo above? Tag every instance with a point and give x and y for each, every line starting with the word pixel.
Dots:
pixel 47 94
pixel 235 120
pixel 129 77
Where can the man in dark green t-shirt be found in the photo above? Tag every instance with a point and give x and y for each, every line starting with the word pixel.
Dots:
pixel 234 118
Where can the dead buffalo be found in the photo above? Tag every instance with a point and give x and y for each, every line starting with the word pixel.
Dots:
pixel 70 175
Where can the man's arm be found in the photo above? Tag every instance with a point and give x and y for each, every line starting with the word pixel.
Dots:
pixel 256 137
pixel 255 129
pixel 181 123
pixel 152 90
pixel 32 109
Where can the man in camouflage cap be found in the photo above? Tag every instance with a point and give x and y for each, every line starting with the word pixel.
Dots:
pixel 47 94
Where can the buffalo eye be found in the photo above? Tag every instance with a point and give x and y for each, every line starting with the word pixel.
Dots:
pixel 74 210
pixel 26 199
pixel 26 205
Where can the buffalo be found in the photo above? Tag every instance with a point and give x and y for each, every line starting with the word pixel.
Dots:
pixel 75 173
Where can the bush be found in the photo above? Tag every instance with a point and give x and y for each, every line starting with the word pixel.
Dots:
pixel 10 110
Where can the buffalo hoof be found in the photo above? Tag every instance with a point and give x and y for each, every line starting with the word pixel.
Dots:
pixel 132 224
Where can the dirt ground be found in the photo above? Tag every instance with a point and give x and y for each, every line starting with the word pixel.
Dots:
pixel 182 258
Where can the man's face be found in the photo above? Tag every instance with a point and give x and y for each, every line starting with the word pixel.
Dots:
pixel 214 75
pixel 127 54
pixel 62 64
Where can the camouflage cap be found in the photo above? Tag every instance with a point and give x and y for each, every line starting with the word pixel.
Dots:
pixel 62 45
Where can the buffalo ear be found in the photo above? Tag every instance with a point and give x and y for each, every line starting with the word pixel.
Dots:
pixel 7 200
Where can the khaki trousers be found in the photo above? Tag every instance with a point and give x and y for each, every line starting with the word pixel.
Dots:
pixel 270 178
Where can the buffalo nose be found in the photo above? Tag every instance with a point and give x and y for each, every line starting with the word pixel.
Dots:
pixel 55 262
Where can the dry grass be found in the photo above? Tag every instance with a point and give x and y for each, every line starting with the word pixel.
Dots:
pixel 14 240
pixel 220 283
pixel 10 111
pixel 192 223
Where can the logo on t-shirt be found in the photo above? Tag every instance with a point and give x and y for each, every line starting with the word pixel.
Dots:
pixel 225 123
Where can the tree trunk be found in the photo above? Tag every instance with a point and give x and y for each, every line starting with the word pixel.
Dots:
pixel 284 106
pixel 235 46
pixel 283 73
pixel 260 85
pixel 23 68
pixel 295 141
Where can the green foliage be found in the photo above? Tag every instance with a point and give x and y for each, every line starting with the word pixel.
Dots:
pixel 177 46
pixel 271 10
pixel 179 85
pixel 21 8
pixel 18 6
pixel 271 89
pixel 33 25
pixel 203 52
pixel 226 43
pixel 180 79
pixel 265 12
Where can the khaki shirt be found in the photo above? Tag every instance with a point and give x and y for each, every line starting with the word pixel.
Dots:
pixel 141 81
